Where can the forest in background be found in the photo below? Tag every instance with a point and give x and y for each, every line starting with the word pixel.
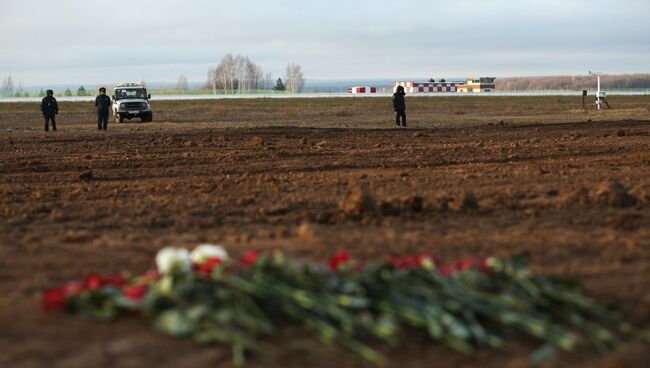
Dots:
pixel 572 82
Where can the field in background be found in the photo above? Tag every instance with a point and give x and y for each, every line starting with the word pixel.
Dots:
pixel 371 112
pixel 496 176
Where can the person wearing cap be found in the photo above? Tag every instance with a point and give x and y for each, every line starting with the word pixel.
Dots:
pixel 50 108
pixel 399 106
pixel 102 104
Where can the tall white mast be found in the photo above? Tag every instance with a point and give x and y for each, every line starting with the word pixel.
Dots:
pixel 599 95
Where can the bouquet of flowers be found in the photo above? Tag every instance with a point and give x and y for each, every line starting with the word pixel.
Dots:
pixel 465 305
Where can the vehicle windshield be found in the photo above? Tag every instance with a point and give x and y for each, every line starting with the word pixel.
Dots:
pixel 124 93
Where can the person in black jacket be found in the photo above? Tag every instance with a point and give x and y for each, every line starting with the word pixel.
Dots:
pixel 50 108
pixel 103 104
pixel 399 105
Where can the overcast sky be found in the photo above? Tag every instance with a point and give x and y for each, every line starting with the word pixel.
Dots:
pixel 75 41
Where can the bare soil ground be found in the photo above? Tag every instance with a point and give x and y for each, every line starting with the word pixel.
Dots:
pixel 497 176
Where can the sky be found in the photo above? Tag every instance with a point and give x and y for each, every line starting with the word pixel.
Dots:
pixel 75 41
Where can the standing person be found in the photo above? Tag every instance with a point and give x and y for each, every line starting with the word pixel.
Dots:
pixel 399 105
pixel 50 109
pixel 103 104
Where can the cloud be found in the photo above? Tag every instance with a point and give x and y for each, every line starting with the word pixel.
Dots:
pixel 86 42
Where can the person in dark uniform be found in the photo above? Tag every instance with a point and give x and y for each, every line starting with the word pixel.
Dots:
pixel 399 105
pixel 103 104
pixel 50 108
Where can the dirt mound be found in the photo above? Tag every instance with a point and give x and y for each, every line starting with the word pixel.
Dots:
pixel 614 194
pixel 465 202
pixel 256 141
pixel 577 197
pixel 358 202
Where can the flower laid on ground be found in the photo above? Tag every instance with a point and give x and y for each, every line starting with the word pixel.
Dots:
pixel 466 304
pixel 204 251
pixel 171 259
pixel 250 257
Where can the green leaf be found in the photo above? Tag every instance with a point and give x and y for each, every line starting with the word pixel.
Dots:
pixel 174 322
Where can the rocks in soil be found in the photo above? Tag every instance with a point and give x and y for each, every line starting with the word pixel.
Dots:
pixel 8 140
pixel 620 133
pixel 577 197
pixel 388 208
pixel 310 233
pixel 614 194
pixel 465 202
pixel 403 205
pixel 274 210
pixel 358 202
pixel 256 141
pixel 86 175
pixel 642 193
pixel 410 203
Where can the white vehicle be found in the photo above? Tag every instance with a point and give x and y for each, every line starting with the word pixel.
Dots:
pixel 130 100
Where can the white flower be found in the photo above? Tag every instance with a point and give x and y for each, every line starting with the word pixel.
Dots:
pixel 205 251
pixel 170 259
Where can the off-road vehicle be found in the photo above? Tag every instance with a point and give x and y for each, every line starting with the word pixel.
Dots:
pixel 130 100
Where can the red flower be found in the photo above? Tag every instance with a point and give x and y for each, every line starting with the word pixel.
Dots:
pixel 466 264
pixel 116 280
pixel 483 265
pixel 73 288
pixel 250 257
pixel 136 292
pixel 340 257
pixel 409 261
pixel 205 268
pixel 448 269
pixel 53 299
pixel 93 282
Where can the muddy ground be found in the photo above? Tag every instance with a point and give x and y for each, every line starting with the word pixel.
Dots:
pixel 575 196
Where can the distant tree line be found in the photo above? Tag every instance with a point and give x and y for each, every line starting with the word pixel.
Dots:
pixel 238 74
pixel 9 90
pixel 574 83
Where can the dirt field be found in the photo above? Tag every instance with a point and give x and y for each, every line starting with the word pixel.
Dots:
pixel 497 176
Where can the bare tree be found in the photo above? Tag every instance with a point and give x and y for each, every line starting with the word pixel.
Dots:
pixel 294 80
pixel 240 72
pixel 182 85
pixel 7 87
pixel 268 80
pixel 259 76
pixel 237 74
pixel 254 74
pixel 227 72
pixel 212 79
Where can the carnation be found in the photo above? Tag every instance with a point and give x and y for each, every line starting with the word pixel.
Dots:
pixel 170 259
pixel 204 252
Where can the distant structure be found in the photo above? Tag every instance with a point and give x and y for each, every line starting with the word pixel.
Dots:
pixel 600 95
pixel 362 90
pixel 471 85
pixel 476 85
pixel 426 87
